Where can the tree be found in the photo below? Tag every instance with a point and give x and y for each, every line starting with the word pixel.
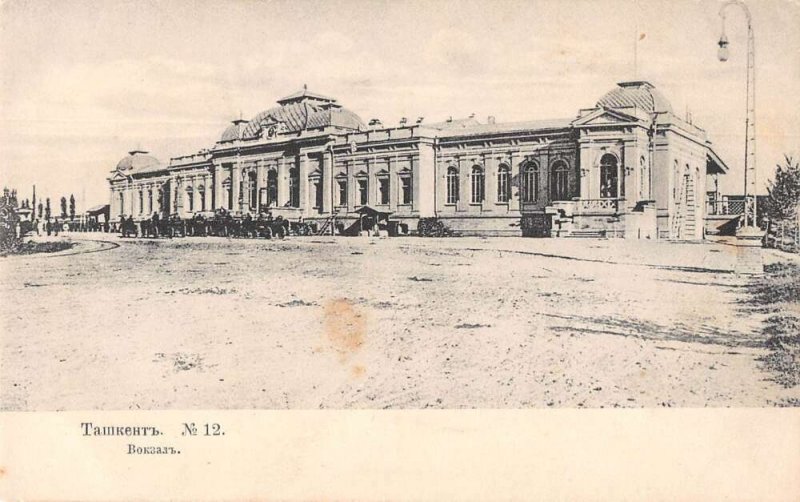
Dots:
pixel 47 209
pixel 71 207
pixel 64 208
pixel 783 192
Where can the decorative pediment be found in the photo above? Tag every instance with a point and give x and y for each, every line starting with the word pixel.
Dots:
pixel 268 128
pixel 316 173
pixel 382 172
pixel 603 117
pixel 117 176
pixel 361 174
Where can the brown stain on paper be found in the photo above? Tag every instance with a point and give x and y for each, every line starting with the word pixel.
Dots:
pixel 345 326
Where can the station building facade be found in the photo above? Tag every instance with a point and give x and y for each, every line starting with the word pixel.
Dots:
pixel 627 167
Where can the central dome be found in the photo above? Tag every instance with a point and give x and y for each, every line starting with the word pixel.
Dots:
pixel 297 112
pixel 639 94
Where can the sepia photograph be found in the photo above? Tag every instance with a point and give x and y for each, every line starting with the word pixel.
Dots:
pixel 242 205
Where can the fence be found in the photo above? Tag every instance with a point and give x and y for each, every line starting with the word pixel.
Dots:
pixel 784 234
pixel 725 207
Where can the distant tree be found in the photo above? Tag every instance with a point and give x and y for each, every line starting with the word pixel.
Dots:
pixel 64 207
pixel 71 207
pixel 41 210
pixel 783 191
pixel 47 212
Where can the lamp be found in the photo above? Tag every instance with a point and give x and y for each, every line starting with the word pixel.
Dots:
pixel 723 51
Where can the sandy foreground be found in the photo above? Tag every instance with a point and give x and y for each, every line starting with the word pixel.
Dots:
pixel 322 322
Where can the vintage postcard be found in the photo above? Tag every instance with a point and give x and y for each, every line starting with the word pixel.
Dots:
pixel 236 232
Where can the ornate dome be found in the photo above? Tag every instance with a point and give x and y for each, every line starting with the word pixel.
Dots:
pixel 234 131
pixel 639 94
pixel 138 160
pixel 303 110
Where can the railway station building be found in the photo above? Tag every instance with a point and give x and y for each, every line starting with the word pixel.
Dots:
pixel 628 166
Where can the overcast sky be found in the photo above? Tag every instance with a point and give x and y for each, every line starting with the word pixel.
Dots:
pixel 84 82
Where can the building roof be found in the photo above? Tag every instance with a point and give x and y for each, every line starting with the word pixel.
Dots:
pixel 714 164
pixel 95 210
pixel 530 125
pixel 300 111
pixel 639 94
pixel 138 161
pixel 454 124
pixel 303 95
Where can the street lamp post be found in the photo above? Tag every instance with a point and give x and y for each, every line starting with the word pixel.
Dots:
pixel 750 199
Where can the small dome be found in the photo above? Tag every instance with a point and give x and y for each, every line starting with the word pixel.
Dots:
pixel 637 94
pixel 234 131
pixel 137 160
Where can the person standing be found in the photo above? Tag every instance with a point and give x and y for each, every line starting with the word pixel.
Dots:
pixel 155 224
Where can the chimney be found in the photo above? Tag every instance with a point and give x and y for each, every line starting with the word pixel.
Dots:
pixel 490 120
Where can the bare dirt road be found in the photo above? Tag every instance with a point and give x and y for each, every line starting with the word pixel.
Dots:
pixel 389 323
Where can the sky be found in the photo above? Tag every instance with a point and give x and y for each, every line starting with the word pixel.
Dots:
pixel 82 83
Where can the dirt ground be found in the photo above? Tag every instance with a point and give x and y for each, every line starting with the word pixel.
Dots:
pixel 380 323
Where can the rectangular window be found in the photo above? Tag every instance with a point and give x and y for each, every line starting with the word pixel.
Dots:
pixel 362 192
pixel 406 195
pixel 317 184
pixel 383 189
pixel 342 192
pixel 294 187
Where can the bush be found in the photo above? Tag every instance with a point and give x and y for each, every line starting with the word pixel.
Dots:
pixel 432 227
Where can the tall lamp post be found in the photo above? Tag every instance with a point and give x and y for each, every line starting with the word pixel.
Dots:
pixel 750 199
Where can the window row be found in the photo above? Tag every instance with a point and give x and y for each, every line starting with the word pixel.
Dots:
pixel 405 194
pixel 529 185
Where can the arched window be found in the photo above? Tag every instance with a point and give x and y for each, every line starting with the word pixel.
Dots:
pixel 452 185
pixel 150 201
pixel 559 181
pixel 201 190
pixel 477 182
pixel 530 177
pixel 121 203
pixel 608 176
pixel 272 188
pixel 294 187
pixel 141 201
pixel 503 183
pixel 190 198
pixel 252 185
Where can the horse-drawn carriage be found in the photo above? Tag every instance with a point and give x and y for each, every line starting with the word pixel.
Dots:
pixel 222 223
